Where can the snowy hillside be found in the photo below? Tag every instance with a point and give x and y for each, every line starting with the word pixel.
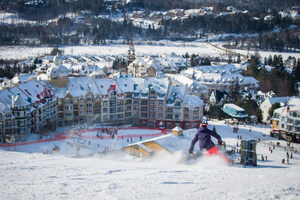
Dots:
pixel 121 176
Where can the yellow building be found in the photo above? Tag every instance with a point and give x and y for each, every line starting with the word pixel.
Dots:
pixel 168 144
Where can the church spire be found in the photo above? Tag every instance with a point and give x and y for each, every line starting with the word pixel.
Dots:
pixel 131 54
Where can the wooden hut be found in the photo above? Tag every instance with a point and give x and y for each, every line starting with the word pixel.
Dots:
pixel 177 131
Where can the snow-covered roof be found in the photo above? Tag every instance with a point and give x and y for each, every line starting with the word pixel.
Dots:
pixel 130 84
pixel 294 103
pixel 19 102
pixel 177 128
pixel 22 77
pixel 77 87
pixel 56 71
pixel 171 142
pixel 160 85
pixel 174 143
pixel 192 84
pixel 279 100
pixel 192 101
pixel 176 91
pixel 31 89
pixel 6 100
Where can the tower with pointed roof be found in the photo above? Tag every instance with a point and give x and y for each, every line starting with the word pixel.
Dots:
pixel 131 54
pixel 19 110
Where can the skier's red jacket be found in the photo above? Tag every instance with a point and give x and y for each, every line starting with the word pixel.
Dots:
pixel 204 136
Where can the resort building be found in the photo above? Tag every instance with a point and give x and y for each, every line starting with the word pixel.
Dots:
pixel 286 121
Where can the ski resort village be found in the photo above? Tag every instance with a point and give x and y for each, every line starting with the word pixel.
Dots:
pixel 120 127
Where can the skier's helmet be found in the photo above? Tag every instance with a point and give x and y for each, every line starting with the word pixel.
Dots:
pixel 203 125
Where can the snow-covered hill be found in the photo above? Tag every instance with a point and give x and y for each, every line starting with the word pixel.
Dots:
pixel 120 176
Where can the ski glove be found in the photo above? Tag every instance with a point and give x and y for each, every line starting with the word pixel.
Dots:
pixel 220 143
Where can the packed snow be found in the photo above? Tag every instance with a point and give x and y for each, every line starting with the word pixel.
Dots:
pixel 27 172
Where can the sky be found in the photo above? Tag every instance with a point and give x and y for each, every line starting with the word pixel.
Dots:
pixel 81 175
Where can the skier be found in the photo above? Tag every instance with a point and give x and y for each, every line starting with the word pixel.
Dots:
pixel 204 136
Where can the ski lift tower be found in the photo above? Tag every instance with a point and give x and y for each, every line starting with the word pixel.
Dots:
pixel 248 153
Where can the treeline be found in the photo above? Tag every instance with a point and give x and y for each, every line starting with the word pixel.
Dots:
pixel 47 9
pixel 286 40
pixel 90 30
pixel 278 80
pixel 237 23
pixel 9 68
pixel 251 5
pixel 65 32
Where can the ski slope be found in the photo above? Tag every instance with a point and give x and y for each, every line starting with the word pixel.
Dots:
pixel 120 176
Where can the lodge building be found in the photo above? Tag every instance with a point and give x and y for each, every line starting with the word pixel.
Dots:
pixel 54 100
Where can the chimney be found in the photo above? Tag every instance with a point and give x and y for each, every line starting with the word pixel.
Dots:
pixel 287 108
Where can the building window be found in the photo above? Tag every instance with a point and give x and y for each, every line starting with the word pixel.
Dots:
pixel 144 124
pixel 128 101
pixel 68 114
pixel 152 115
pixel 177 103
pixel 68 107
pixel 120 116
pixel 68 100
pixel 144 115
pixel 187 125
pixel 169 110
pixel 89 99
pixel 144 108
pixel 168 125
pixel 169 116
